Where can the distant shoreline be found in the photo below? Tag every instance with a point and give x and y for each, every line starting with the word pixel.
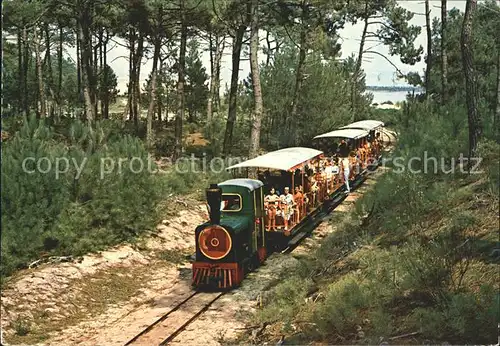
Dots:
pixel 393 88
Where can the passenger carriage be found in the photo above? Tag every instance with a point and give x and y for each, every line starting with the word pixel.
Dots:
pixel 293 169
pixel 358 145
pixel 375 129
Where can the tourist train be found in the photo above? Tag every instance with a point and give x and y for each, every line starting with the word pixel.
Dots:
pixel 251 218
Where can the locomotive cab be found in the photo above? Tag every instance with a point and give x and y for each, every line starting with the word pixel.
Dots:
pixel 232 242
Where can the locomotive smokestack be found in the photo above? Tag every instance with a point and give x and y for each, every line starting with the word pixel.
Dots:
pixel 214 199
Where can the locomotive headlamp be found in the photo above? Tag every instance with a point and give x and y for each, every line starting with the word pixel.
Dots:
pixel 214 242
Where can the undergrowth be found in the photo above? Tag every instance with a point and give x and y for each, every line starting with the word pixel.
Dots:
pixel 417 262
pixel 106 190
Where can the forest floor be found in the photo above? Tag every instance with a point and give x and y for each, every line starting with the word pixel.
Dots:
pixel 109 297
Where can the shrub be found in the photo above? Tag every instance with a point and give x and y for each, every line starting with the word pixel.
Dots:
pixel 286 299
pixel 64 213
pixel 352 310
pixel 462 318
pixel 342 309
pixel 416 263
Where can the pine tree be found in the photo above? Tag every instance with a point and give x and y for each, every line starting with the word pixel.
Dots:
pixel 196 83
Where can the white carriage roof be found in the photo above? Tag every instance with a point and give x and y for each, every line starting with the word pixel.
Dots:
pixel 367 125
pixel 282 160
pixel 250 184
pixel 345 133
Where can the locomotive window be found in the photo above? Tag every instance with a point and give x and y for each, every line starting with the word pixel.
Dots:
pixel 230 202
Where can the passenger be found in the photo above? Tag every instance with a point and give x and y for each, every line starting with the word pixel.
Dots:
pixel 378 144
pixel 368 153
pixel 346 168
pixel 334 148
pixel 260 176
pixel 336 173
pixel 329 177
pixel 298 197
pixel 343 149
pixel 288 202
pixel 272 200
pixel 314 188
pixel 321 179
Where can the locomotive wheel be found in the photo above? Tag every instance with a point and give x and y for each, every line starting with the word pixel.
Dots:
pixel 253 263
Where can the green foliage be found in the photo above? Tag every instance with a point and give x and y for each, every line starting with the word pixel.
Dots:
pixel 486 49
pixel 323 103
pixel 489 151
pixel 399 35
pixel 286 300
pixel 196 79
pixel 473 315
pixel 342 308
pixel 21 326
pixel 409 266
pixel 107 84
pixel 84 206
pixel 165 93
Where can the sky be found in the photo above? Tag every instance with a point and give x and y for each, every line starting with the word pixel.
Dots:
pixel 378 70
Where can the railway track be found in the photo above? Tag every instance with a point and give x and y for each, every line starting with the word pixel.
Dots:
pixel 172 323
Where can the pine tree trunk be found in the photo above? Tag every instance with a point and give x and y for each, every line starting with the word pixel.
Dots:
pixel 219 49
pixel 299 78
pixel 100 68
pixel 130 94
pixel 268 55
pixel 20 71
pixel 211 96
pixel 95 68
pixel 179 116
pixel 105 101
pixel 475 127
pixel 136 88
pixel 496 117
pixel 26 103
pixel 231 117
pixel 88 77
pixel 60 68
pixel 39 72
pixel 357 68
pixel 429 48
pixel 153 92
pixel 50 74
pixel 257 90
pixel 160 108
pixel 444 52
pixel 79 62
pixel 101 45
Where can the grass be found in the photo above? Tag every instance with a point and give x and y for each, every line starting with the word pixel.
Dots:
pixel 176 256
pixel 424 258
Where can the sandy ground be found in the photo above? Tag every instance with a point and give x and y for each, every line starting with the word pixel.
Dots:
pixel 108 298
pixel 81 297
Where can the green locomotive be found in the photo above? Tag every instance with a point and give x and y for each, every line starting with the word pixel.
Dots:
pixel 233 241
